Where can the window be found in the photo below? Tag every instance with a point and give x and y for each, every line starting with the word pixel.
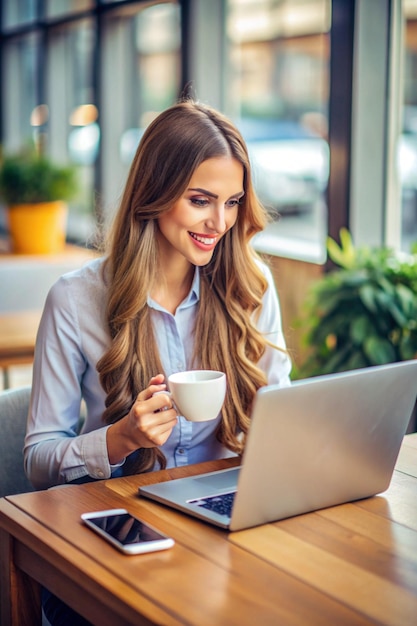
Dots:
pixel 20 92
pixel 18 12
pixel 407 155
pixel 73 131
pixel 279 57
pixel 140 78
pixel 82 80
pixel 62 8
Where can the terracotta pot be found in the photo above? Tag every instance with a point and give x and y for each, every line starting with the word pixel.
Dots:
pixel 38 228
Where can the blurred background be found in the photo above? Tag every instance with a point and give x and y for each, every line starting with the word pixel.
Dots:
pixel 324 91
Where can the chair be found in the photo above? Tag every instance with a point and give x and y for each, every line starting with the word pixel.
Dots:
pixel 14 404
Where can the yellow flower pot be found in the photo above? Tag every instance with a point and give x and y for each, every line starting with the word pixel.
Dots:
pixel 38 228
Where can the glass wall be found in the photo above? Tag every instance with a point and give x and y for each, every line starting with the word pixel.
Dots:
pixel 20 94
pixel 18 12
pixel 63 8
pixel 140 76
pixel 72 131
pixel 81 80
pixel 408 143
pixel 279 56
pixel 279 91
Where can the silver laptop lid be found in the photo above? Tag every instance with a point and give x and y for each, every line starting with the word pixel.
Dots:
pixel 323 441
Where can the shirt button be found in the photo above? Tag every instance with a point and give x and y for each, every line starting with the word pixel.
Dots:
pixel 181 451
pixel 100 473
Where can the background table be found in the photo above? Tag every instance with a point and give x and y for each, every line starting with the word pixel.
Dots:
pixel 17 340
pixel 25 281
pixel 355 564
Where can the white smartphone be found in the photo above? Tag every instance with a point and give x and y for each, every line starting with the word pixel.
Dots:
pixel 126 532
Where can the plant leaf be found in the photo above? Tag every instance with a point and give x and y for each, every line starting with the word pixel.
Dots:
pixel 361 328
pixel 379 351
pixel 367 294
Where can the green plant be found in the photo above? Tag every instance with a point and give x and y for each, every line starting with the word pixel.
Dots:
pixel 362 313
pixel 27 178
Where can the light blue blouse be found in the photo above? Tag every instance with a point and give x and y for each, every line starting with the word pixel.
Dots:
pixel 72 337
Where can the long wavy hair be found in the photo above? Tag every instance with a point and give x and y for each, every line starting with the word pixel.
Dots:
pixel 232 285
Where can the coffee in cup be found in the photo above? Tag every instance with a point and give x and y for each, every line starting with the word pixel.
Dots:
pixel 198 394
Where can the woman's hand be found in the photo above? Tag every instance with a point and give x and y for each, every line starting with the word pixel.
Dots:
pixel 148 424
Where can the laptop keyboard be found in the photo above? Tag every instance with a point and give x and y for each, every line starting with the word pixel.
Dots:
pixel 221 504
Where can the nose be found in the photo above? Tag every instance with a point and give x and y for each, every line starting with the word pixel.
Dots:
pixel 217 219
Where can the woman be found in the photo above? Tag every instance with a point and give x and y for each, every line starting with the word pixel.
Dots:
pixel 179 288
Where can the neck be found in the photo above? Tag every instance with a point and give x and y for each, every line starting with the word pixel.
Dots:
pixel 173 285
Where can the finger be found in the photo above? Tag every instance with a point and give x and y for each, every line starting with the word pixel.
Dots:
pixel 158 434
pixel 156 383
pixel 157 380
pixel 155 429
pixel 165 397
pixel 147 393
pixel 151 412
pixel 163 416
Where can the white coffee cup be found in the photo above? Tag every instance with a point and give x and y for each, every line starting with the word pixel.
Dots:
pixel 198 394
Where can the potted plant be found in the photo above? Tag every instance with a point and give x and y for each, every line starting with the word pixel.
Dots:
pixel 362 313
pixel 35 191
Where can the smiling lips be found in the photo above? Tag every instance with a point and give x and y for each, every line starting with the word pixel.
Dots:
pixel 204 242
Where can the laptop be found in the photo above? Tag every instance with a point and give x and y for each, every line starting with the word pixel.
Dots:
pixel 321 442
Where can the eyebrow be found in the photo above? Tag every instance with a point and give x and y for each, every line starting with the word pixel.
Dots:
pixel 239 194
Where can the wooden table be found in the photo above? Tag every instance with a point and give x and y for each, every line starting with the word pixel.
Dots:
pixel 355 564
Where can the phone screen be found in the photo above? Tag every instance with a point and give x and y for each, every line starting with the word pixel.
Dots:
pixel 125 528
pixel 126 532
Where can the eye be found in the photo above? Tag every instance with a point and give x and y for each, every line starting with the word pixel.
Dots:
pixel 199 202
pixel 233 202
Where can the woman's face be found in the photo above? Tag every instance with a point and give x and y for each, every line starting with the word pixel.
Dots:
pixel 205 212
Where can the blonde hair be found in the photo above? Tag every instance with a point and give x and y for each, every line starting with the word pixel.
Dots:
pixel 232 284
